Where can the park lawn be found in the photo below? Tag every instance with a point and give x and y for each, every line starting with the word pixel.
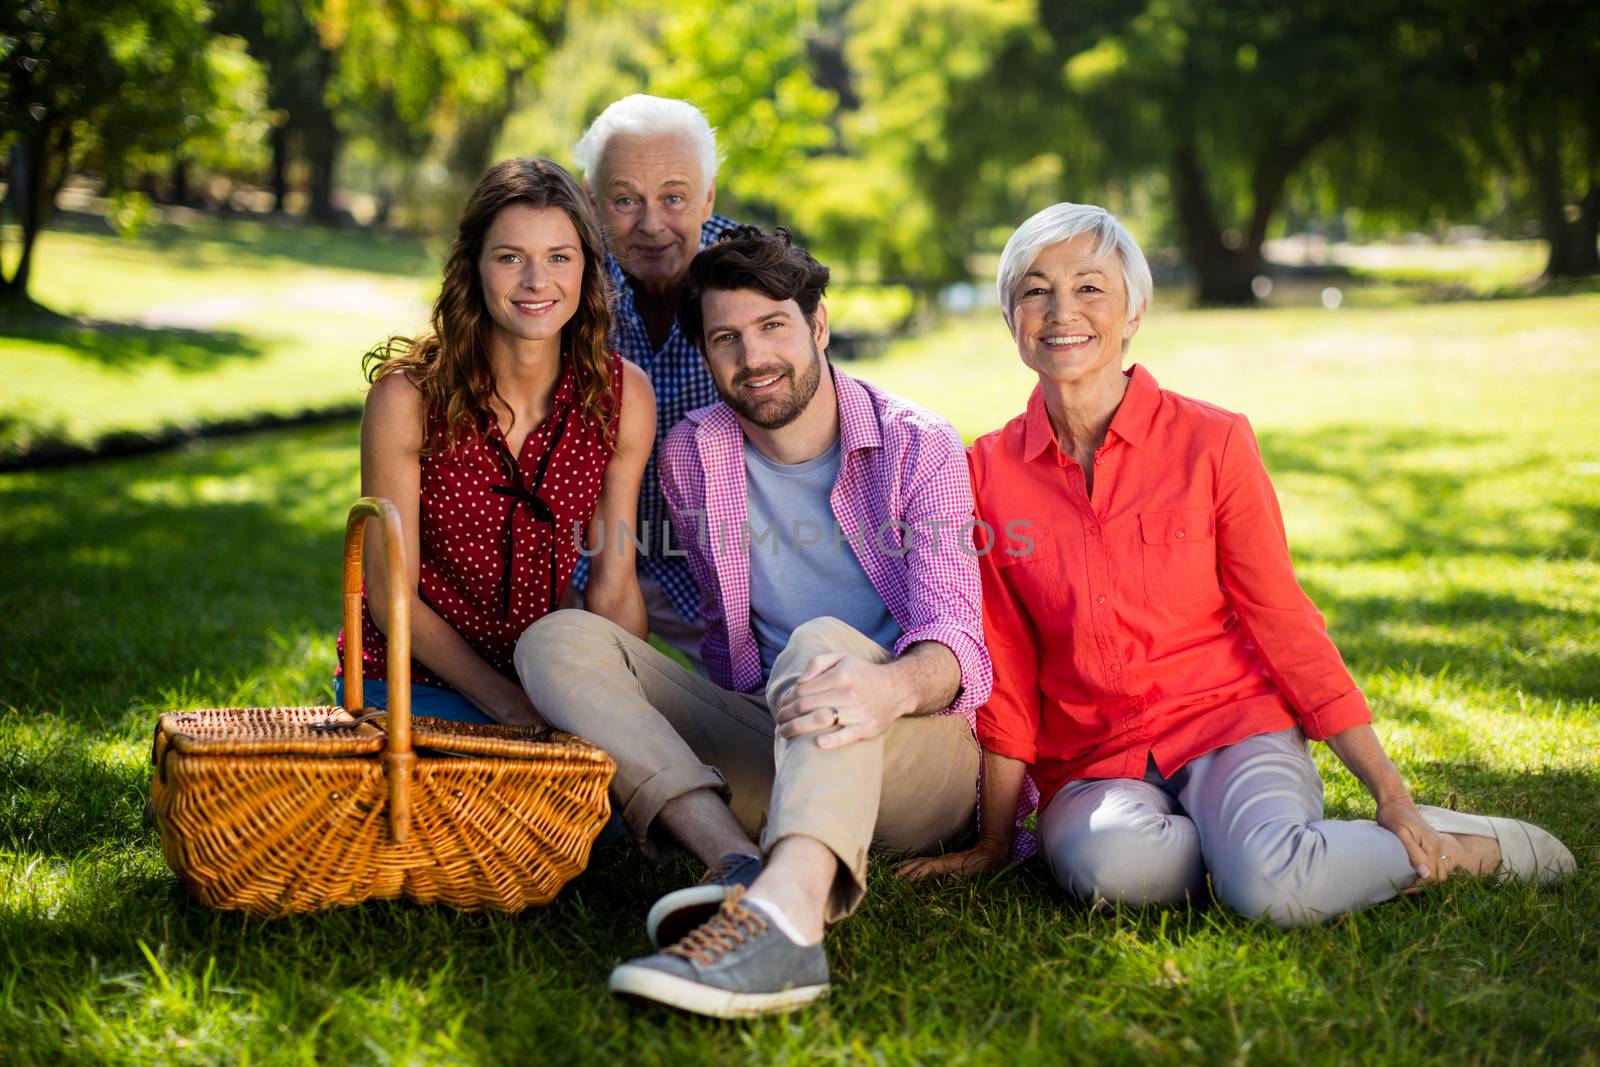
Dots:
pixel 1439 467
pixel 1470 266
pixel 211 321
pixel 201 323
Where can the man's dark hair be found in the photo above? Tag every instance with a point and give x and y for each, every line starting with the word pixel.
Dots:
pixel 748 258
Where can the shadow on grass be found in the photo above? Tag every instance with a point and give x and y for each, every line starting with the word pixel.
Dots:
pixel 125 580
pixel 28 439
pixel 994 952
pixel 128 345
pixel 26 445
pixel 1423 507
pixel 1451 287
pixel 270 239
pixel 1431 633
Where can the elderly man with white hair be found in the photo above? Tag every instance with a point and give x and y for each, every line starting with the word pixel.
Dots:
pixel 651 166
pixel 1157 667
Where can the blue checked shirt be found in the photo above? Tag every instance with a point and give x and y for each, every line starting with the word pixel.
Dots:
pixel 682 384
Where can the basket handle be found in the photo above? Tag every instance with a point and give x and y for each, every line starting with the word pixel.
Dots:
pixel 398 757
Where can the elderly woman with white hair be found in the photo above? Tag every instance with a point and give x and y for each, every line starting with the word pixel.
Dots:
pixel 1157 667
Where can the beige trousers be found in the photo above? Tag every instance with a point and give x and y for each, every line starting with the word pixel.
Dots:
pixel 666 625
pixel 670 731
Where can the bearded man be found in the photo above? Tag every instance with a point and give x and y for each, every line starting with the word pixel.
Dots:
pixel 828 525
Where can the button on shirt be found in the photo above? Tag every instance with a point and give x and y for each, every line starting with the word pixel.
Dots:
pixel 1160 619
pixel 682 384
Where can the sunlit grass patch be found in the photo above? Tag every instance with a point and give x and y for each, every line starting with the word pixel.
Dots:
pixel 1434 469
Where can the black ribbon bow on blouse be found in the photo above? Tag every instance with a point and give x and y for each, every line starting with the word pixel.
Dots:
pixel 522 493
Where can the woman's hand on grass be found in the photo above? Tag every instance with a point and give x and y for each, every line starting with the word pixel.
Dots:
pixel 1424 847
pixel 982 858
pixel 1002 787
pixel 1358 748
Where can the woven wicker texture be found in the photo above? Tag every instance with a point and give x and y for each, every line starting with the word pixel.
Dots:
pixel 280 810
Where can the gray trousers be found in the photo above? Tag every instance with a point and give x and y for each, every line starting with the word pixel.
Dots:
pixel 1250 814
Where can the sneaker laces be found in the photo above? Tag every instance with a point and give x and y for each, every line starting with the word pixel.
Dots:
pixel 725 867
pixel 728 929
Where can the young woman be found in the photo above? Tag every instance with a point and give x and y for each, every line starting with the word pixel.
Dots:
pixel 503 434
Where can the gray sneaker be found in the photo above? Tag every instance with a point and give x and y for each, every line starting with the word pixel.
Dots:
pixel 683 909
pixel 734 964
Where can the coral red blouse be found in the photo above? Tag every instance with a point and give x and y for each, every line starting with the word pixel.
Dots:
pixel 1159 619
pixel 499 535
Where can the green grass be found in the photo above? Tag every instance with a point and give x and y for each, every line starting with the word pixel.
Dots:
pixel 213 321
pixel 200 323
pixel 1439 467
pixel 205 321
pixel 1473 267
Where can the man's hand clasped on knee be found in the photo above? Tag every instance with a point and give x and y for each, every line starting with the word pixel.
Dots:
pixel 844 698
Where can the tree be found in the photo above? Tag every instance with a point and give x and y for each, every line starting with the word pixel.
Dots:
pixel 92 84
pixel 944 140
pixel 1233 97
pixel 282 35
pixel 747 68
pixel 434 81
pixel 1535 71
pixel 606 50
pixel 231 137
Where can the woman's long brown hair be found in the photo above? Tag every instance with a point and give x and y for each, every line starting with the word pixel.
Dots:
pixel 450 364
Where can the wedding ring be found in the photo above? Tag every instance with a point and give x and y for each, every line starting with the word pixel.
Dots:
pixel 835 721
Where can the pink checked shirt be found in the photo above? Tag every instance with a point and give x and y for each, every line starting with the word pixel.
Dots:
pixel 902 489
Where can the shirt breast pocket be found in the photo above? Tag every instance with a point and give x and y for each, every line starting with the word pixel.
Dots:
pixel 1180 553
pixel 1032 569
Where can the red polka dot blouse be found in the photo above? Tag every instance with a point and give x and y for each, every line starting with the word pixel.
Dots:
pixel 498 534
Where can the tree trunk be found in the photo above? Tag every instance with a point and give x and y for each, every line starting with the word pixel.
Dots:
pixel 321 141
pixel 280 167
pixel 1572 241
pixel 181 192
pixel 322 153
pixel 1225 269
pixel 44 170
pixel 30 186
pixel 1222 274
pixel 477 134
pixel 1573 249
pixel 15 200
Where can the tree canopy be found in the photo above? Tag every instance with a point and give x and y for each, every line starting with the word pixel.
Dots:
pixel 99 85
pixel 902 138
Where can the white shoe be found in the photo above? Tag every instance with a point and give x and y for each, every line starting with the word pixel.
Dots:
pixel 1527 853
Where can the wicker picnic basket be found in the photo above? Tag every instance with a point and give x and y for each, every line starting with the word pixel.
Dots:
pixel 280 810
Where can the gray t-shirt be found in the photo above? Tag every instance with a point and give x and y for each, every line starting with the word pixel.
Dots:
pixel 801 567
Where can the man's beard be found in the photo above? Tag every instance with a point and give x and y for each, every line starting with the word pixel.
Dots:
pixel 771 413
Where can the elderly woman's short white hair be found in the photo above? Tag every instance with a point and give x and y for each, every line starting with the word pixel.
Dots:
pixel 1062 222
pixel 644 114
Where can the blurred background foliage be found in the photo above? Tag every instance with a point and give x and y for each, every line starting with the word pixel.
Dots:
pixel 901 138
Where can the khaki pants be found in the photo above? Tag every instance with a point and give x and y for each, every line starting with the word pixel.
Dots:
pixel 670 731
pixel 666 625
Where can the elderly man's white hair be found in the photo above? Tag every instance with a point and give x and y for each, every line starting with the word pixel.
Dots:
pixel 1062 222
pixel 644 114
